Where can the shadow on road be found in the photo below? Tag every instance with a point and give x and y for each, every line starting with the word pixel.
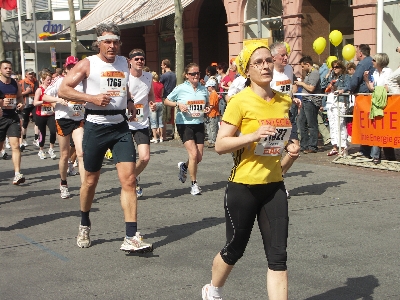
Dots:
pixel 314 189
pixel 184 191
pixel 356 288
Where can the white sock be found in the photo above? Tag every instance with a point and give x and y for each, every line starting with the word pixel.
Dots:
pixel 17 173
pixel 215 291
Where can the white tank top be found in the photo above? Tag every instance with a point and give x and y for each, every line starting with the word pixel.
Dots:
pixel 139 87
pixel 283 82
pixel 107 78
pixel 75 110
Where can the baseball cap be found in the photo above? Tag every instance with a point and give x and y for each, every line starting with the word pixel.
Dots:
pixel 29 70
pixel 71 60
pixel 211 82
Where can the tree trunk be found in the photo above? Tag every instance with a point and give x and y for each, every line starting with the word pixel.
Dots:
pixel 2 53
pixel 74 42
pixel 180 49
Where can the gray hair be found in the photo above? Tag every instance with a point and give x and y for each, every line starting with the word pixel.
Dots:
pixel 275 46
pixel 382 59
pixel 113 28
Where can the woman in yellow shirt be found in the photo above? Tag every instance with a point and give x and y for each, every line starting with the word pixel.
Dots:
pixel 256 129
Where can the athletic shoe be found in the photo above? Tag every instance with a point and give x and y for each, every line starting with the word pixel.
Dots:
pixel 21 147
pixel 287 194
pixel 154 141
pixel 19 179
pixel 41 154
pixel 64 192
pixel 182 172
pixel 83 238
pixel 205 296
pixel 36 143
pixel 8 146
pixel 195 190
pixel 51 153
pixel 136 243
pixel 161 140
pixel 139 191
pixel 24 143
pixel 4 154
pixel 75 164
pixel 71 170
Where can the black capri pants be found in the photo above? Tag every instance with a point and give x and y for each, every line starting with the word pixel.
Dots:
pixel 25 115
pixel 41 123
pixel 267 202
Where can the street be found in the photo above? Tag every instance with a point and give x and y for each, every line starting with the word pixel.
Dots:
pixel 344 233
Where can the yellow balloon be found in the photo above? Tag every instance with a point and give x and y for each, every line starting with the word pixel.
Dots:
pixel 329 61
pixel 348 52
pixel 335 37
pixel 319 45
pixel 287 48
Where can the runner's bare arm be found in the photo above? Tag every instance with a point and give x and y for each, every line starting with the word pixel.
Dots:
pixel 20 98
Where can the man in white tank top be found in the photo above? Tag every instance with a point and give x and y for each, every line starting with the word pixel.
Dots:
pixel 282 81
pixel 141 89
pixel 105 91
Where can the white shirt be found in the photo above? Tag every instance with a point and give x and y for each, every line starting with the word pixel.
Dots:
pixel 394 82
pixel 383 78
pixel 236 86
pixel 283 82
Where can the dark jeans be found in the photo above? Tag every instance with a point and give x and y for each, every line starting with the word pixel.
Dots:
pixel 308 125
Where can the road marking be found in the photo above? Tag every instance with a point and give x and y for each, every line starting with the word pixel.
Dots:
pixel 40 246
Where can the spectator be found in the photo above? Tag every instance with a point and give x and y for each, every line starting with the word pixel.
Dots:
pixel 222 68
pixel 336 82
pixel 308 117
pixel 168 79
pixel 380 77
pixel 213 115
pixel 156 116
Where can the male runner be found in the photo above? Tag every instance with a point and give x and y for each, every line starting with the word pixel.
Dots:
pixel 105 79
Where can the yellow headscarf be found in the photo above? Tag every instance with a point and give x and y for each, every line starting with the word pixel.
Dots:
pixel 249 46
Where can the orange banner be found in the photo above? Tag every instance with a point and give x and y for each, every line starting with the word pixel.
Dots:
pixel 381 131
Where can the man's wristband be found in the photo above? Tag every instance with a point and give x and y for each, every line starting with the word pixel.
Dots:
pixel 130 100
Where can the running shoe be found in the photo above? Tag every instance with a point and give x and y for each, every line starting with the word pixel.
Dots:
pixel 19 179
pixel 75 163
pixel 8 146
pixel 195 190
pixel 36 143
pixel 24 143
pixel 205 296
pixel 4 154
pixel 41 154
pixel 287 194
pixel 51 153
pixel 135 244
pixel 64 192
pixel 182 172
pixel 139 191
pixel 71 170
pixel 83 238
pixel 155 141
pixel 161 140
pixel 21 147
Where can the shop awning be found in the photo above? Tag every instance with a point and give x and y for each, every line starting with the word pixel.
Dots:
pixel 124 13
pixel 62 46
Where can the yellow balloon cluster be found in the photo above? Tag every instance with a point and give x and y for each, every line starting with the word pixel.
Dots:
pixel 319 45
pixel 348 52
pixel 335 37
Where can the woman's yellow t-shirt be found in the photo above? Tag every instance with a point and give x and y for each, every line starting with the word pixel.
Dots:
pixel 258 163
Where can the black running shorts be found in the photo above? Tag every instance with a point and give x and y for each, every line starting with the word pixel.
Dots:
pixel 189 132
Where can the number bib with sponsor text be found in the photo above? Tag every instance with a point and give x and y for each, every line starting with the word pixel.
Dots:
pixel 196 108
pixel 113 83
pixel 46 109
pixel 76 109
pixel 139 112
pixel 13 101
pixel 273 145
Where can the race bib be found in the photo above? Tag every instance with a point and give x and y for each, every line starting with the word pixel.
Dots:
pixel 12 101
pixel 76 109
pixel 196 108
pixel 46 110
pixel 284 86
pixel 31 97
pixel 113 83
pixel 274 145
pixel 139 112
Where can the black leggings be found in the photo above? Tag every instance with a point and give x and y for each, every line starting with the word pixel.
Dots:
pixel 41 123
pixel 25 115
pixel 267 202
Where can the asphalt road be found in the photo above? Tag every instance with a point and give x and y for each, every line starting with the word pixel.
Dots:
pixel 344 234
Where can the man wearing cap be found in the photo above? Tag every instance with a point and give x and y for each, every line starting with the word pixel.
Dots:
pixel 168 79
pixel 105 80
pixel 142 93
pixel 69 121
pixel 29 86
pixel 10 101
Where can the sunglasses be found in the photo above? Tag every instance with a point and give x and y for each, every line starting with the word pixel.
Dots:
pixel 336 67
pixel 373 60
pixel 194 73
pixel 139 58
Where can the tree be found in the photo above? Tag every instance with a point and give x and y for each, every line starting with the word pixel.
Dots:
pixel 2 54
pixel 180 48
pixel 74 41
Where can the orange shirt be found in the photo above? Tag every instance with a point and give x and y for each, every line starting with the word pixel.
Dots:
pixel 214 103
